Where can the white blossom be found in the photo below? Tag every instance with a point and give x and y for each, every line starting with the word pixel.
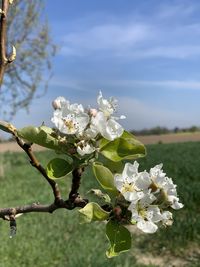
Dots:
pixel 108 107
pixel 132 184
pixel 103 121
pixel 165 185
pixel 84 148
pixel 69 118
pixel 108 128
pixel 146 215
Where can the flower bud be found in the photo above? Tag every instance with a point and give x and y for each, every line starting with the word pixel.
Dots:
pixel 56 104
pixel 93 112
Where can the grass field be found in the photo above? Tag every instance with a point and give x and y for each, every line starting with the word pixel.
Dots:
pixel 59 240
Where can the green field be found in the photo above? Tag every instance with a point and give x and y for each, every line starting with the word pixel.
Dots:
pixel 59 240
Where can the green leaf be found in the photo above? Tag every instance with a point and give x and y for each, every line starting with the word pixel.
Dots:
pixel 124 147
pixel 57 168
pixel 43 136
pixel 105 178
pixel 119 237
pixel 114 167
pixel 93 212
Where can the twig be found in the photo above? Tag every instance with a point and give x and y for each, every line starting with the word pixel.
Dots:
pixel 3 26
pixel 35 163
pixel 36 207
pixel 74 196
pixel 76 180
pixel 74 199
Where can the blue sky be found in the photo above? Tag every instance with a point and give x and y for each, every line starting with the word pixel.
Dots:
pixel 145 53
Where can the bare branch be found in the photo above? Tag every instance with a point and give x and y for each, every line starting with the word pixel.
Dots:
pixel 35 163
pixel 76 180
pixel 3 22
pixel 5 213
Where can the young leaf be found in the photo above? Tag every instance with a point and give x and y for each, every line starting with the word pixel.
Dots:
pixel 105 178
pixel 57 168
pixel 93 212
pixel 124 147
pixel 42 136
pixel 119 237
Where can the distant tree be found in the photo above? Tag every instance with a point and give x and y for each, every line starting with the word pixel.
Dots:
pixel 29 33
pixel 176 130
pixel 194 129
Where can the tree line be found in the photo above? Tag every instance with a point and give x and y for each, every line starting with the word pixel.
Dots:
pixel 164 130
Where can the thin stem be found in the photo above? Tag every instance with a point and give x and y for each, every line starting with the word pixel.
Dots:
pixel 3 26
pixel 5 213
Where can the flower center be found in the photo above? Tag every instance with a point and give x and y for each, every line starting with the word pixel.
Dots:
pixel 128 187
pixel 142 212
pixel 70 123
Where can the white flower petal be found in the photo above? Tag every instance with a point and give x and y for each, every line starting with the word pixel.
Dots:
pixel 147 200
pixel 130 171
pixel 108 107
pixel 112 130
pixel 86 149
pixel 131 196
pixel 175 204
pixel 108 128
pixel 143 181
pixel 153 214
pixel 147 227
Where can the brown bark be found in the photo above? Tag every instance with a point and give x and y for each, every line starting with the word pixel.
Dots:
pixel 3 24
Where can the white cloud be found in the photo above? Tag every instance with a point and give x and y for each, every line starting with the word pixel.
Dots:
pixel 168 33
pixel 161 84
pixel 174 52
pixel 105 37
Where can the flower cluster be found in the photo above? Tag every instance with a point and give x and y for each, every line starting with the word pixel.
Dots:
pixel 86 125
pixel 150 195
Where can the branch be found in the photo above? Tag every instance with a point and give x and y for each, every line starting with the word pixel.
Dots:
pixel 4 58
pixel 75 182
pixel 74 196
pixel 3 24
pixel 35 163
pixel 5 213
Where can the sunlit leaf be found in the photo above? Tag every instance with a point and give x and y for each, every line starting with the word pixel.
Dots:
pixel 43 136
pixel 93 212
pixel 125 147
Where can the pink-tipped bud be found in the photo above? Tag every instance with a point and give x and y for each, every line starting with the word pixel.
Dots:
pixel 93 112
pixel 59 102
pixel 56 104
